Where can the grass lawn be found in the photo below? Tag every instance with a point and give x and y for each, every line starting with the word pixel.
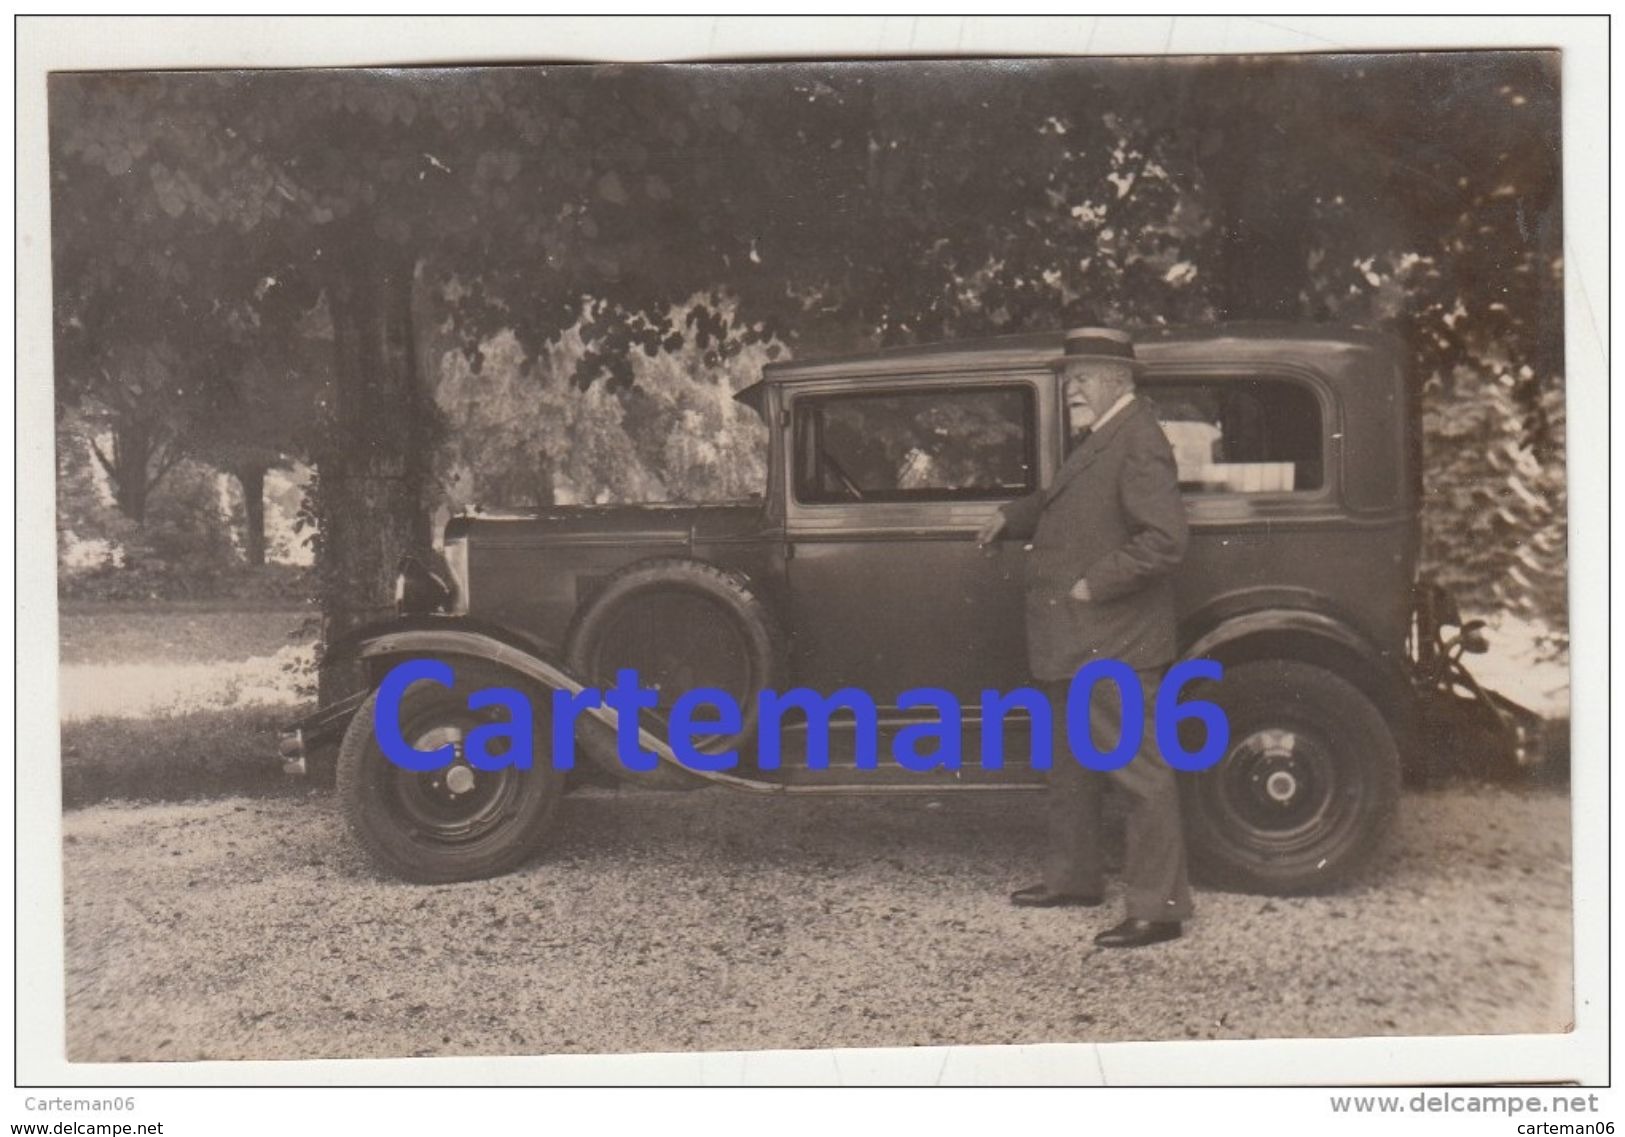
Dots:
pixel 180 631
pixel 174 755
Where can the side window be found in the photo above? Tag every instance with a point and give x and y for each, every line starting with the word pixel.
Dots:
pixel 1242 435
pixel 947 444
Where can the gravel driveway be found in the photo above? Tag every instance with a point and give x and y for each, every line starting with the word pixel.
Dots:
pixel 251 929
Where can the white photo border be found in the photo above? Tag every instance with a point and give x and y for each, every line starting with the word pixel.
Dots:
pixel 45 44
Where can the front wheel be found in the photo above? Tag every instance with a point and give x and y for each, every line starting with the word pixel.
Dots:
pixel 1308 786
pixel 455 823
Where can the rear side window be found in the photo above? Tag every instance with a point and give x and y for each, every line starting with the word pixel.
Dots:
pixel 1243 435
pixel 945 444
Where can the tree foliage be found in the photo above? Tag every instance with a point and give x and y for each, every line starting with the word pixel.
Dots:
pixel 603 251
pixel 521 432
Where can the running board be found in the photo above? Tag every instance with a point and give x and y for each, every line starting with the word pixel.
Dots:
pixel 462 642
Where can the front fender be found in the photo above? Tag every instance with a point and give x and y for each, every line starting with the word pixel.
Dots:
pixel 409 635
pixel 442 637
pixel 361 643
pixel 462 639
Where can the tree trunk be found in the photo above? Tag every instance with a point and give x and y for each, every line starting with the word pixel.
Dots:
pixel 129 478
pixel 129 467
pixel 373 475
pixel 251 477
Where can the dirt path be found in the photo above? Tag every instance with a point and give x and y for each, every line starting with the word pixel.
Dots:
pixel 250 929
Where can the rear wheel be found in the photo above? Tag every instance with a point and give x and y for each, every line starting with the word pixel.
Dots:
pixel 457 822
pixel 1308 786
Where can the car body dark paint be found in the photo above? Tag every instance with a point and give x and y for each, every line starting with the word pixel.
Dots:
pixel 1335 654
pixel 533 571
pixel 887 596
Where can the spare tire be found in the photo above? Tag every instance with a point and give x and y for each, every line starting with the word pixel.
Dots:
pixel 681 624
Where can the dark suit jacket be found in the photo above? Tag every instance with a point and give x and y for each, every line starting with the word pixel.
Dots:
pixel 1115 518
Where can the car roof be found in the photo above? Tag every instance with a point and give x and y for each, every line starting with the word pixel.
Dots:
pixel 1240 341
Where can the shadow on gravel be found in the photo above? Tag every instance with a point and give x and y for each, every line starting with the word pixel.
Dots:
pixel 1467 752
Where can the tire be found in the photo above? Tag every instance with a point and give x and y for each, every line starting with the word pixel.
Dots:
pixel 413 825
pixel 1308 786
pixel 680 624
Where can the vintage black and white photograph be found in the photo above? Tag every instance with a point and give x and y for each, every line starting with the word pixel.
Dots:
pixel 864 405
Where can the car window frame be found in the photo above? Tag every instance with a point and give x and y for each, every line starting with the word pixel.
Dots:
pixel 1331 429
pixel 798 401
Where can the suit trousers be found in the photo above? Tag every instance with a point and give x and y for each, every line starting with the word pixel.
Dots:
pixel 1154 865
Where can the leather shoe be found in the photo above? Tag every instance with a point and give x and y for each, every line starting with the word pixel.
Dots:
pixel 1139 933
pixel 1037 896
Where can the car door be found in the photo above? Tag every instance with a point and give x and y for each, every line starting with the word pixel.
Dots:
pixel 888 484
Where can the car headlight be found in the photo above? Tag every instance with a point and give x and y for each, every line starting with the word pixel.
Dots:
pixel 433 583
pixel 456 558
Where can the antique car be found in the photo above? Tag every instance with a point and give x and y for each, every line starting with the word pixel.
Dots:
pixel 1298 449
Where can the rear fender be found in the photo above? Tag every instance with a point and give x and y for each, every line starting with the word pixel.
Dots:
pixel 1314 637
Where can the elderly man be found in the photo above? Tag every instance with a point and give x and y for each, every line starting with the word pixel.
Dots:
pixel 1105 537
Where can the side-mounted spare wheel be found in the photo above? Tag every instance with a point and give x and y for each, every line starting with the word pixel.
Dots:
pixel 1307 788
pixel 455 823
pixel 680 624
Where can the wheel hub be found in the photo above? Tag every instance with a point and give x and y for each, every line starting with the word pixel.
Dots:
pixel 1281 786
pixel 1274 775
pixel 1276 781
pixel 451 782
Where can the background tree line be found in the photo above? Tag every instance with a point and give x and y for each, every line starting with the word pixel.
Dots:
pixel 538 284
